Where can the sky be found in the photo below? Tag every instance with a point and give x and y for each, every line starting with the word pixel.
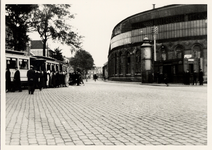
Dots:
pixel 95 20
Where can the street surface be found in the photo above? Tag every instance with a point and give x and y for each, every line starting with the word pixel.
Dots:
pixel 108 113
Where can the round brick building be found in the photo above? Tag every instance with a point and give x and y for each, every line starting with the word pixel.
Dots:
pixel 173 39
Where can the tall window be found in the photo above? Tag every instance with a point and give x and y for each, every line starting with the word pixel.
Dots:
pixel 128 62
pixel 116 61
pixel 196 51
pixel 138 61
pixel 179 52
pixel 163 55
pixel 23 64
pixel 120 63
pixel 11 63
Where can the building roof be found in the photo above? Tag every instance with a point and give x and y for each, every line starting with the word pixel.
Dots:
pixel 36 44
pixel 161 12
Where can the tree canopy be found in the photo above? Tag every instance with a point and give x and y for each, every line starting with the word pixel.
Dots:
pixel 58 54
pixel 82 60
pixel 50 21
pixel 17 25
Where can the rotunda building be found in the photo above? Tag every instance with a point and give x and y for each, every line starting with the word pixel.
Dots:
pixel 176 36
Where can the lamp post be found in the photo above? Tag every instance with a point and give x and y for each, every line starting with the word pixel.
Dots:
pixel 154 32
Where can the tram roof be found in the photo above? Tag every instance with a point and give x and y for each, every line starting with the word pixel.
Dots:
pixel 45 58
pixel 16 52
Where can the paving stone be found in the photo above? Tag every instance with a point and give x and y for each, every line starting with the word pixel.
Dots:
pixel 103 113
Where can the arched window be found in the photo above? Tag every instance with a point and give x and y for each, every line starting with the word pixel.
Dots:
pixel 163 53
pixel 128 63
pixel 179 52
pixel 120 63
pixel 196 50
pixel 138 61
pixel 116 60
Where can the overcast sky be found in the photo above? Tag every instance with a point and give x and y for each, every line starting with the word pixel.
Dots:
pixel 95 20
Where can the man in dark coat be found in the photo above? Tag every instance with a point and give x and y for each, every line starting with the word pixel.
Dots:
pixel 195 77
pixel 8 80
pixel 201 77
pixel 166 79
pixel 17 81
pixel 187 77
pixel 31 80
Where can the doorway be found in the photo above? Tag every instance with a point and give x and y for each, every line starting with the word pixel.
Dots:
pixel 191 68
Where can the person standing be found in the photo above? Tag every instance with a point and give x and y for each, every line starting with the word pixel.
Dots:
pixel 17 81
pixel 166 79
pixel 31 80
pixel 8 80
pixel 187 77
pixel 201 77
pixel 195 77
pixel 42 80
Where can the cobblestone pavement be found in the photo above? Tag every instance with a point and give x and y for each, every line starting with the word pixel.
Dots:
pixel 103 113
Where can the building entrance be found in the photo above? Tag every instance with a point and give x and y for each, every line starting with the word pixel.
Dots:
pixel 191 68
pixel 167 71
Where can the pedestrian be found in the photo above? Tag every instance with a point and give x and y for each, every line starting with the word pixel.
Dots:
pixel 78 78
pixel 38 80
pixel 81 79
pixel 95 77
pixel 166 79
pixel 187 77
pixel 8 80
pixel 201 77
pixel 17 81
pixel 86 77
pixel 31 80
pixel 45 79
pixel 48 78
pixel 195 77
pixel 53 79
pixel 42 80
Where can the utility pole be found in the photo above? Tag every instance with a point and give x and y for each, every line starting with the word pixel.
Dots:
pixel 155 32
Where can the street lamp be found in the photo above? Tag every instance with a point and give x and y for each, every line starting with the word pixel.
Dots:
pixel 154 32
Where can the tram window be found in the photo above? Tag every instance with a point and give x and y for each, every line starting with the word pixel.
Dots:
pixel 48 67
pixel 23 63
pixel 11 63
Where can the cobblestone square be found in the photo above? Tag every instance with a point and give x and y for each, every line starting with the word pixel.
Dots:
pixel 108 113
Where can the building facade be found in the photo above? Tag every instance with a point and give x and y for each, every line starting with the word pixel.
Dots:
pixel 177 35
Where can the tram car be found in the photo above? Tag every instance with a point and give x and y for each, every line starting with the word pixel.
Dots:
pixel 23 60
pixel 18 59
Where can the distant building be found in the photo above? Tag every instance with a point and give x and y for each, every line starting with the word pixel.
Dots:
pixel 105 70
pixel 97 70
pixel 37 48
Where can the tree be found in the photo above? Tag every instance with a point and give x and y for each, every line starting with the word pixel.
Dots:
pixel 50 21
pixel 82 60
pixel 58 54
pixel 17 24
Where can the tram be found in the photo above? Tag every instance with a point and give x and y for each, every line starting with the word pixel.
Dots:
pixel 18 59
pixel 23 60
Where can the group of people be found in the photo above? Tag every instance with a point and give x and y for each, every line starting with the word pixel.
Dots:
pixel 36 80
pixel 45 79
pixel 194 77
pixel 76 78
pixel 188 78
pixel 15 85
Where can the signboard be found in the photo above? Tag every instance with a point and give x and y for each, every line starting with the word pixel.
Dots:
pixel 190 59
pixel 187 56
